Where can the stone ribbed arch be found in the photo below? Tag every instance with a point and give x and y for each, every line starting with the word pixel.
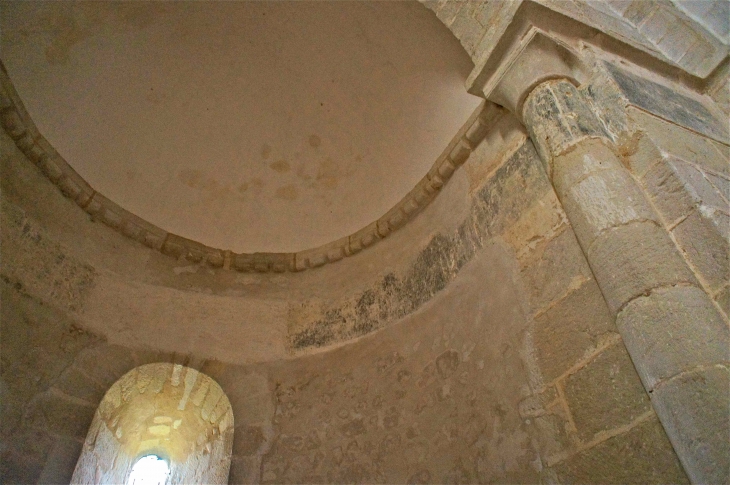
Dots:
pixel 168 410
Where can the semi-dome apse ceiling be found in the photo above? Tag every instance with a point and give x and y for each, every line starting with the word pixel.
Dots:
pixel 250 126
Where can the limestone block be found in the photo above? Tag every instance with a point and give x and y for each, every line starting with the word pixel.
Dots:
pixel 641 455
pixel 553 269
pixel 606 393
pixel 572 328
pixel 669 104
pixel 630 260
pixel 705 242
pixel 723 299
pixel 468 30
pixel 77 384
pixel 51 412
pixel 105 363
pixel 676 188
pixel 557 116
pixel 672 330
pixel 695 411
pixel 448 10
pixel 682 143
pixel 59 466
pixel 15 468
pixel 552 435
pixel 603 200
pixel 721 183
pixel 245 470
pixel 642 156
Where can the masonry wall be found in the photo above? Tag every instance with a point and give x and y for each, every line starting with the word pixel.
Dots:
pixel 474 344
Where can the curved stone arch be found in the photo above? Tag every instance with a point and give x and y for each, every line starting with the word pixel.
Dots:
pixel 18 124
pixel 168 410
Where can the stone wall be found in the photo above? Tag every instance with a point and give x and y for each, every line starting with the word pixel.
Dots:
pixel 684 34
pixel 483 352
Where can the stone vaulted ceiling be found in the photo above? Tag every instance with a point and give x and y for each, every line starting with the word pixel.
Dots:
pixel 251 126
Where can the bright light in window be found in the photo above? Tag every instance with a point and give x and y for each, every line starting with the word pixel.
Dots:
pixel 149 470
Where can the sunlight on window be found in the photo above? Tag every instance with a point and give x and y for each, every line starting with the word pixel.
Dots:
pixel 149 470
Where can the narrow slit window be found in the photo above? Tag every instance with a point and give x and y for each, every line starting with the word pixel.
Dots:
pixel 149 470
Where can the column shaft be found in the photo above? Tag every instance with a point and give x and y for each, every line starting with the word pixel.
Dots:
pixel 677 339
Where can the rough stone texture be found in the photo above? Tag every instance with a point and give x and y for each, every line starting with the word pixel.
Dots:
pixel 682 143
pixel 699 438
pixel 676 188
pixel 496 205
pixel 630 260
pixel 623 459
pixel 574 327
pixel 703 237
pixel 557 117
pixel 553 269
pixel 605 394
pixel 659 321
pixel 668 104
pixel 598 201
pixel 452 328
pixel 433 399
pixel 723 299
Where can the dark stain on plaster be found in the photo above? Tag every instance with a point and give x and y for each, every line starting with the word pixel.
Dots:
pixel 287 192
pixel 314 141
pixel 513 188
pixel 281 166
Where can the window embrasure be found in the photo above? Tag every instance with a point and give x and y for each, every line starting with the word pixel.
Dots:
pixel 168 416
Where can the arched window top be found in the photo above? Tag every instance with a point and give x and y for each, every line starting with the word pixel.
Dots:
pixel 170 413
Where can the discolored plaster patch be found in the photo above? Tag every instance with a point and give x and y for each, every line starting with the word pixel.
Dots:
pixel 518 184
pixel 314 141
pixel 281 166
pixel 287 192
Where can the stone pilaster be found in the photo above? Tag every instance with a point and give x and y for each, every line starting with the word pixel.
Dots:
pixel 676 337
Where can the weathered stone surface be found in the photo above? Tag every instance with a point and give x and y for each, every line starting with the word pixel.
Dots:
pixel 606 393
pixel 247 440
pixel 668 104
pixel 681 143
pixel 245 470
pixel 602 200
pixel 642 155
pixel 553 269
pixel 77 384
pixel 624 459
pixel 557 116
pixel 701 237
pixel 39 342
pixel 723 299
pixel 672 330
pixel 61 460
pixel 29 255
pixel 630 260
pixel 51 412
pixel 676 188
pixel 15 468
pixel 695 410
pixel 105 363
pixel 571 329
pixel 513 189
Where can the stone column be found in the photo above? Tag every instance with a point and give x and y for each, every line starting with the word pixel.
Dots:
pixel 677 339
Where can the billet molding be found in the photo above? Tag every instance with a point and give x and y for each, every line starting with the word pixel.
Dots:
pixel 18 124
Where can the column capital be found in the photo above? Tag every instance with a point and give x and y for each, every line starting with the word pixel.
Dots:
pixel 537 58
